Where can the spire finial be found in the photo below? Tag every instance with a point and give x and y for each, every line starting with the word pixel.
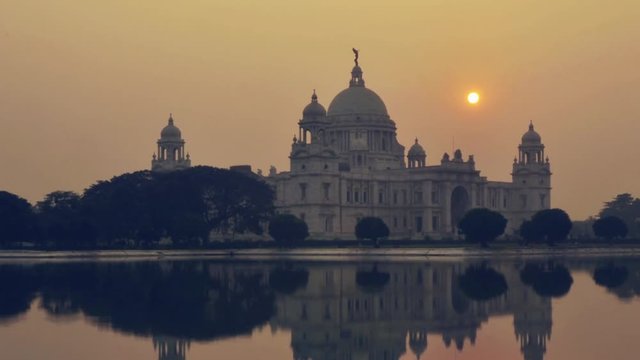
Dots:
pixel 170 118
pixel 530 124
pixel 356 73
pixel 416 139
pixel 314 97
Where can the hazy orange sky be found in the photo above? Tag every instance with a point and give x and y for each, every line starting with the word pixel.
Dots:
pixel 86 86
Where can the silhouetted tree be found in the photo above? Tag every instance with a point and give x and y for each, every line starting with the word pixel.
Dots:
pixel 547 280
pixel 482 283
pixel 62 223
pixel 17 221
pixel 372 228
pixel 529 232
pixel 553 224
pixel 610 276
pixel 627 208
pixel 185 206
pixel 482 225
pixel 610 227
pixel 286 229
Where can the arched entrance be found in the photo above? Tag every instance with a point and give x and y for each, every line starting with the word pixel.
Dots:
pixel 459 205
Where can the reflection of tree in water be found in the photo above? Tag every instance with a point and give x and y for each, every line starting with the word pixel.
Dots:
pixel 547 279
pixel 178 299
pixel 332 311
pixel 482 283
pixel 286 279
pixel 18 287
pixel 610 275
pixel 373 280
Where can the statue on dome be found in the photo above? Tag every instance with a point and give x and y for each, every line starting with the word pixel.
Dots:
pixel 356 52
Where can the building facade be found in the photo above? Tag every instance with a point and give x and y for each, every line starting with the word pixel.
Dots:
pixel 346 163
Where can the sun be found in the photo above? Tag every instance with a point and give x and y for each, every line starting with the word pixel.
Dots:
pixel 473 98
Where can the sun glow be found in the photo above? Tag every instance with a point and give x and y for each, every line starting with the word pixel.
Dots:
pixel 473 98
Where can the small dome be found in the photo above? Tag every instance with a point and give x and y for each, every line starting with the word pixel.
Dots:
pixel 314 108
pixel 531 136
pixel 170 132
pixel 416 150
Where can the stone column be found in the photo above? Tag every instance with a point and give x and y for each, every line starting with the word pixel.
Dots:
pixel 446 214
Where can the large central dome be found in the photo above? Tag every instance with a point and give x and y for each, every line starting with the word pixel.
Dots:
pixel 357 99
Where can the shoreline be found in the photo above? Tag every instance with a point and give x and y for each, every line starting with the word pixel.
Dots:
pixel 322 254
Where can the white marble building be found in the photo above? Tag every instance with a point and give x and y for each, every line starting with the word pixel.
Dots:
pixel 346 163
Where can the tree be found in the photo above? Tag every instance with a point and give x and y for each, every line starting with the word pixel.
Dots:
pixel 372 228
pixel 529 232
pixel 17 221
pixel 482 225
pixel 554 225
pixel 286 229
pixel 627 208
pixel 61 221
pixel 610 227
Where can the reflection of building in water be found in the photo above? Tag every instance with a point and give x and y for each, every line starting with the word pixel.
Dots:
pixel 335 318
pixel 170 348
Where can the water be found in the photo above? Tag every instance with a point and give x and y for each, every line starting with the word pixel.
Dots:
pixel 510 309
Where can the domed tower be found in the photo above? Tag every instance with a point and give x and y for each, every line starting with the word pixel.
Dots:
pixel 533 330
pixel 313 122
pixel 531 177
pixel 416 156
pixel 170 155
pixel 360 130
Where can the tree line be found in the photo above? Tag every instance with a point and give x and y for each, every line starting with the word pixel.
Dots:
pixel 141 209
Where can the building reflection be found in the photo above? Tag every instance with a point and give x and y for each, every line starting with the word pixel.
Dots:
pixel 333 311
pixel 170 348
pixel 334 318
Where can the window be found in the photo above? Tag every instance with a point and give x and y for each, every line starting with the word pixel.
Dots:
pixel 435 223
pixel 395 196
pixel 395 222
pixel 543 198
pixel 326 187
pixel 303 191
pixel 404 196
pixel 356 196
pixel 364 196
pixel 417 197
pixel 380 197
pixel 434 197
pixel 523 201
pixel 328 223
pixel 404 222
pixel 419 224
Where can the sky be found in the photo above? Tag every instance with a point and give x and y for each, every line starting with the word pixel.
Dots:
pixel 86 86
